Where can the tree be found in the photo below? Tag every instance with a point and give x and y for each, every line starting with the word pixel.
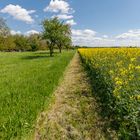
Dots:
pixel 55 32
pixel 68 43
pixel 64 36
pixel 34 42
pixel 21 43
pixel 50 29
pixel 4 30
pixel 7 43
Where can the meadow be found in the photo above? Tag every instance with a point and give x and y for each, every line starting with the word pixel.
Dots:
pixel 27 81
pixel 115 78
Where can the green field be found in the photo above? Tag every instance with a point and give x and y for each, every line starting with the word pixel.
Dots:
pixel 27 81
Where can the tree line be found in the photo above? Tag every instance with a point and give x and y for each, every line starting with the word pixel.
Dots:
pixel 55 35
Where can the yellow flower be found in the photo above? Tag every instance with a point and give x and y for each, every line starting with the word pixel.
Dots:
pixel 119 82
pixel 131 66
pixel 117 78
pixel 119 63
pixel 123 71
pixel 131 77
pixel 138 97
pixel 111 72
pixel 138 67
pixel 133 59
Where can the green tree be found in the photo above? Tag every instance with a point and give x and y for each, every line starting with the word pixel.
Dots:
pixel 7 43
pixel 64 36
pixel 34 42
pixel 56 33
pixel 21 43
pixel 50 29
pixel 68 43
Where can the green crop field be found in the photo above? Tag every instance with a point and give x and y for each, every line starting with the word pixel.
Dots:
pixel 27 81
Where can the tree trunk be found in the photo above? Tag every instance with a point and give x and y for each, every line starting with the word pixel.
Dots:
pixel 51 53
pixel 67 48
pixel 51 50
pixel 60 50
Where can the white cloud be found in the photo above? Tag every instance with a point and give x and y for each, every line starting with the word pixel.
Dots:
pixel 88 37
pixel 31 11
pixel 15 32
pixel 71 22
pixel 83 33
pixel 89 32
pixel 58 6
pixel 31 32
pixel 63 16
pixel 130 38
pixel 131 35
pixel 18 13
pixel 63 9
pixel 105 36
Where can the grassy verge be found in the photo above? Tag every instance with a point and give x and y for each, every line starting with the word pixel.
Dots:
pixel 27 82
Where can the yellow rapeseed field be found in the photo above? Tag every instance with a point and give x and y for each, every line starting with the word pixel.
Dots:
pixel 116 75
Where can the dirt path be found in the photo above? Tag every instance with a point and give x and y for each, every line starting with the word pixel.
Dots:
pixel 73 115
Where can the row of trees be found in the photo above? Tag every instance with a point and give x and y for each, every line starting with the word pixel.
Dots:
pixel 22 43
pixel 17 42
pixel 56 34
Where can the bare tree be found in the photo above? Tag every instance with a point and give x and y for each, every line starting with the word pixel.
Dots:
pixel 4 30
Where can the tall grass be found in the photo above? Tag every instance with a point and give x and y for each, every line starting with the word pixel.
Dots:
pixel 27 81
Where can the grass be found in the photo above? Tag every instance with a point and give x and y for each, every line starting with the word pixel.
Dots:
pixel 27 82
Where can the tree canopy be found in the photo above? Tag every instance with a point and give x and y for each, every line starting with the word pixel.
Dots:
pixel 56 33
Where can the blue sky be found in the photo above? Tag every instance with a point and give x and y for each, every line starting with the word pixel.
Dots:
pixel 93 22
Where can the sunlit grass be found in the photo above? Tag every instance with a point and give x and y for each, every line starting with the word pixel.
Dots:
pixel 27 81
